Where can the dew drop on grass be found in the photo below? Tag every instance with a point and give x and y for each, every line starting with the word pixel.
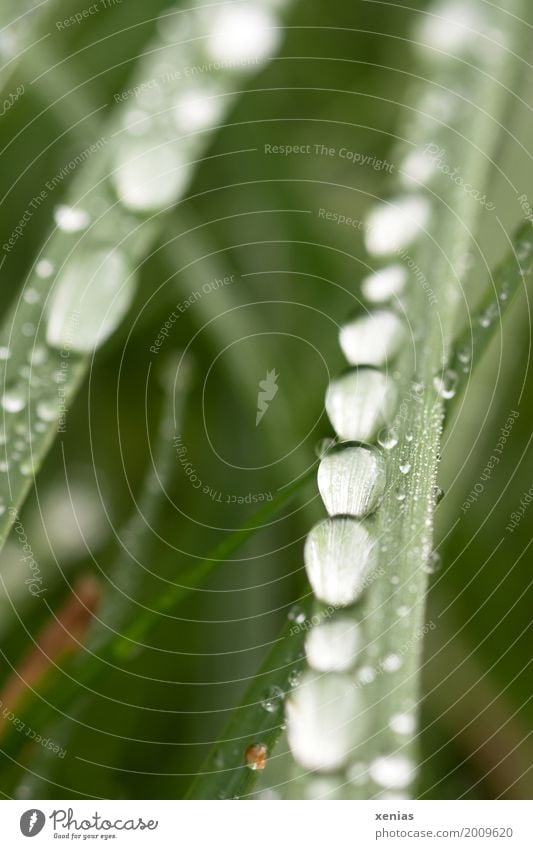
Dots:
pixel 334 646
pixel 433 563
pixel 395 225
pixel 438 493
pixel 242 34
pixel 418 167
pixel 405 468
pixel 296 615
pixel 149 176
pixel 384 284
pixel 272 699
pixel 339 557
pixel 451 27
pixel 71 219
pixel 295 678
pixel 446 384
pixel 360 402
pixel 198 108
pixel 90 298
pixel 388 438
pixel 324 721
pixel 44 269
pixel 391 662
pixel 366 675
pixel 48 409
pixel 394 772
pixel 5 353
pixel 351 479
pixel 14 398
pixel 372 339
pixel 402 723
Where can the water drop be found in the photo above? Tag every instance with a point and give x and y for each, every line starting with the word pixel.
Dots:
pixel 295 678
pixel 5 353
pixel 14 399
pixel 392 662
pixel 324 721
pixel 90 297
pixel 366 675
pixel 44 269
pixel 351 479
pixel 243 34
pixel 418 167
pixel 197 109
pixel 384 284
pixel 339 557
pixel 464 355
pixel 395 772
pixel 31 296
pixel 405 468
pixel 438 493
pixel 149 176
pixel 450 27
pixel 48 409
pixel 372 339
pixel 446 384
pixel 272 699
pixel 360 402
pixel 296 614
pixel 334 646
pixel 433 563
pixel 402 723
pixel 393 226
pixel 71 219
pixel 255 756
pixel 388 438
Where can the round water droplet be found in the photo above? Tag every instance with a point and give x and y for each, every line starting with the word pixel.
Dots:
pixel 360 402
pixel 295 678
pixel 339 557
pixel 255 756
pixel 44 269
pixel 198 108
pixel 405 468
pixel 446 383
pixel 452 27
pixel 5 353
pixel 89 300
pixel 402 723
pixel 71 219
pixel 351 479
pixel 392 662
pixel 372 339
pixel 395 225
pixel 334 646
pixel 385 283
pixel 272 700
pixel 366 675
pixel 433 563
pixel 388 438
pixel 243 34
pixel 48 409
pixel 148 175
pixel 438 494
pixel 418 168
pixel 464 355
pixel 395 772
pixel 14 398
pixel 325 720
pixel 296 614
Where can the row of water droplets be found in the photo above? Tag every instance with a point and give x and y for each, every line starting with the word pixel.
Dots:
pixel 84 280
pixel 327 714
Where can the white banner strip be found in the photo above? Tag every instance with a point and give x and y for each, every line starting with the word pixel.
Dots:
pixel 267 824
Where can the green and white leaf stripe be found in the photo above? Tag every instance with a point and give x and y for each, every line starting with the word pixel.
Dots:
pixel 354 714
